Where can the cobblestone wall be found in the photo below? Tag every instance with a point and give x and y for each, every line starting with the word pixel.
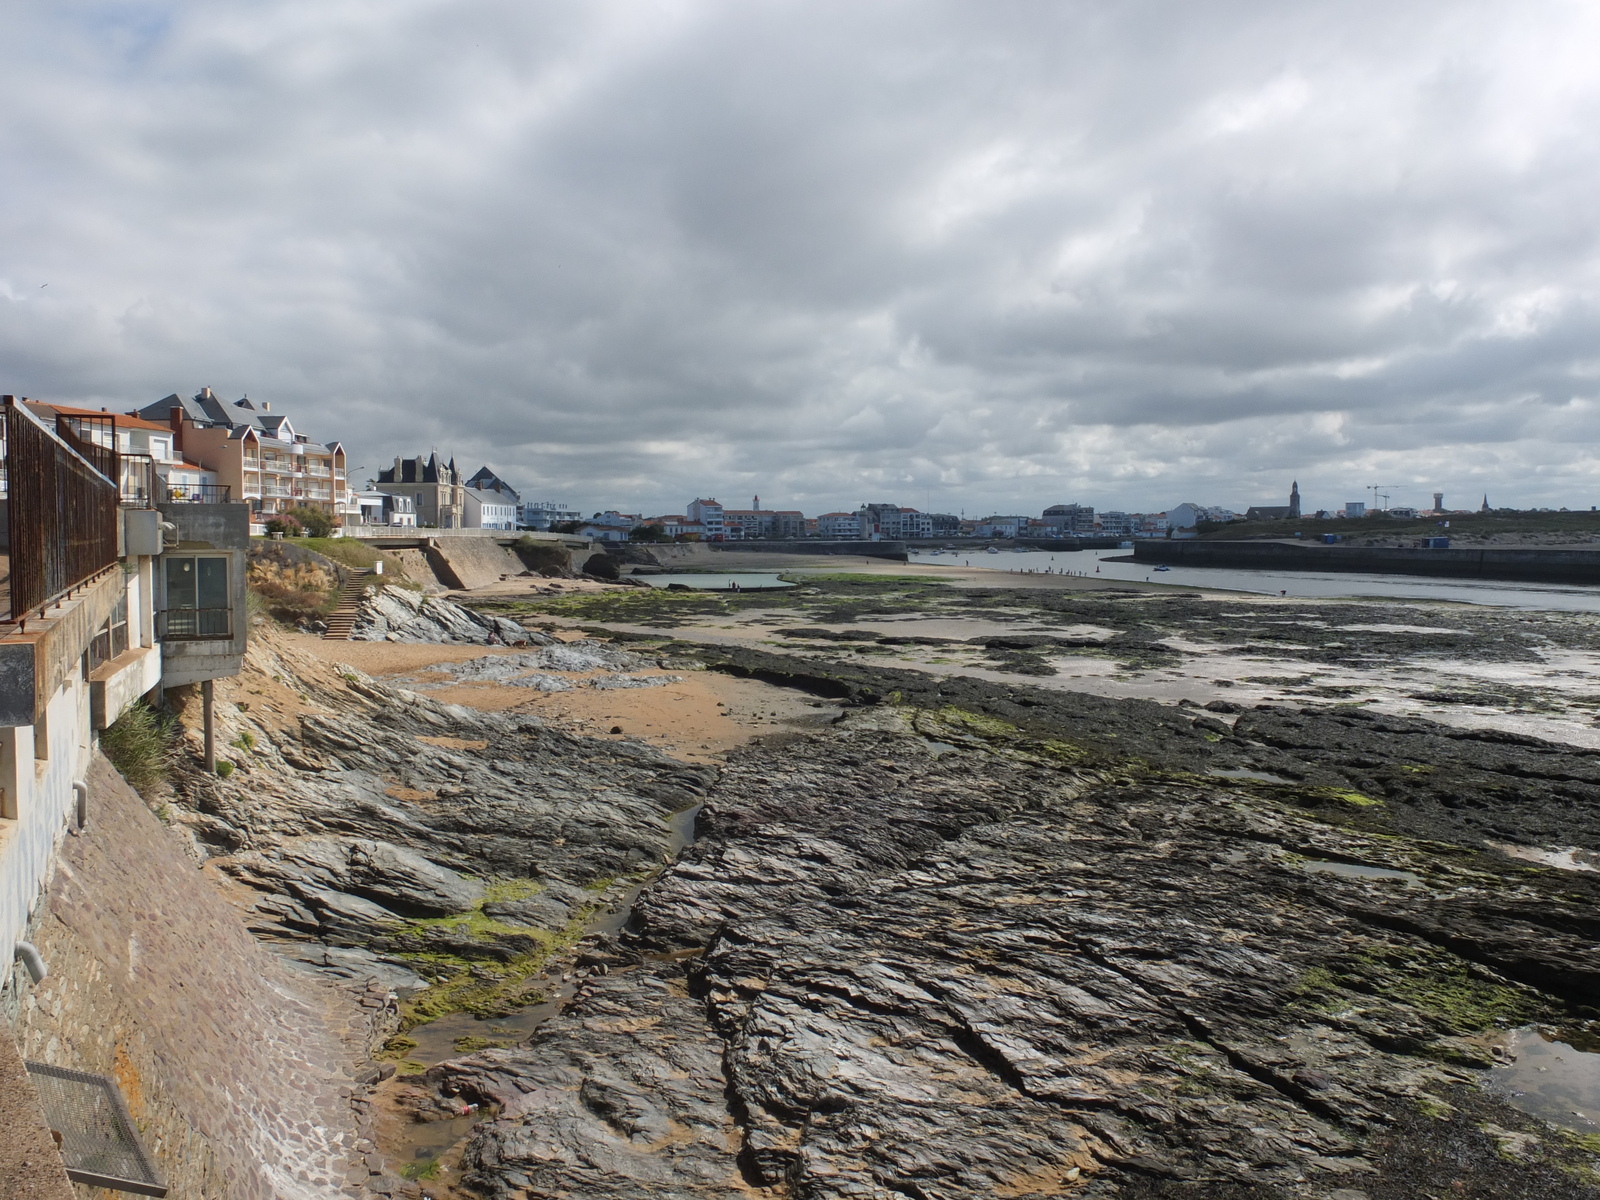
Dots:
pixel 237 1070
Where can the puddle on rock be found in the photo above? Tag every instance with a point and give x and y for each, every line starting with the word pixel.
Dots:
pixel 1244 773
pixel 1359 871
pixel 1549 1079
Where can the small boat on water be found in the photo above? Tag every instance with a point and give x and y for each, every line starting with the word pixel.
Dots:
pixel 992 550
pixel 1163 567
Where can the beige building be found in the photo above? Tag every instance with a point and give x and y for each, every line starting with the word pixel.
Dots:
pixel 257 454
pixel 437 491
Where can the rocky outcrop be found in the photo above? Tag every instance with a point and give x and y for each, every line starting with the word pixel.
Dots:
pixel 398 615
pixel 929 955
pixel 445 841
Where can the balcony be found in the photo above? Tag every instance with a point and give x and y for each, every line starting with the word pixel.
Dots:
pixel 198 493
pixel 195 624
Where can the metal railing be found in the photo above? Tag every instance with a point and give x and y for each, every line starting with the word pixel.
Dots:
pixel 62 516
pixel 196 493
pixel 195 624
pixel 140 486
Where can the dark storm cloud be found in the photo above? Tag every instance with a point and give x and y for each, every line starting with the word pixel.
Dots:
pixel 956 254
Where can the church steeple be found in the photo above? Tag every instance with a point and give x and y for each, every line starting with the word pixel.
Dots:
pixel 1294 499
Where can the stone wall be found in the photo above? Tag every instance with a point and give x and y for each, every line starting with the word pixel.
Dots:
pixel 471 562
pixel 1541 563
pixel 238 1070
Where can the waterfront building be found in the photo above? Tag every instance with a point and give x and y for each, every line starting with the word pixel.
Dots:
pixel 385 509
pixel 1070 519
pixel 488 510
pixel 114 591
pixel 542 514
pixel 839 525
pixel 436 489
pixel 708 514
pixel 256 454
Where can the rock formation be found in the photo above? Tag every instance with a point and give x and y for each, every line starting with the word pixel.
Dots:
pixel 399 615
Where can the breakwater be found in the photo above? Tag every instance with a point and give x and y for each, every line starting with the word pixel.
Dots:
pixel 893 551
pixel 1545 564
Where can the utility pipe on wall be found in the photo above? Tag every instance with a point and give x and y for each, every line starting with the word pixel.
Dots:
pixel 32 960
pixel 211 740
pixel 80 789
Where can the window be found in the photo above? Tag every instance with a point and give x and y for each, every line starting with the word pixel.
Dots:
pixel 112 639
pixel 197 598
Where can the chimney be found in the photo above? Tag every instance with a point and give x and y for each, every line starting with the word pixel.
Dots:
pixel 266 406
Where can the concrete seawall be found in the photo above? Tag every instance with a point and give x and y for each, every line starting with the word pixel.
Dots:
pixel 1540 564
pixel 893 551
pixel 238 1071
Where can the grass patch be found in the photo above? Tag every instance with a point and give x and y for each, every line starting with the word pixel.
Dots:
pixel 142 745
pixel 480 965
pixel 1449 991
pixel 1356 799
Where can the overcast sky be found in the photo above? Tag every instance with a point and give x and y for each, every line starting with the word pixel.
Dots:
pixel 984 256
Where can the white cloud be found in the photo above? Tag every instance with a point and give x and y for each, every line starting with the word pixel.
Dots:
pixel 963 256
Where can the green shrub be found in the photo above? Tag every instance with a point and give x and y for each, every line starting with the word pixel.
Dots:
pixel 246 740
pixel 314 521
pixel 141 745
pixel 284 524
pixel 224 768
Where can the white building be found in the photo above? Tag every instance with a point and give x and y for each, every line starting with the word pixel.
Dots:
pixel 708 514
pixel 385 509
pixel 488 510
pixel 541 514
pixel 839 525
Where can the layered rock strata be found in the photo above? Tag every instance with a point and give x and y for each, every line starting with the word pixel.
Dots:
pixel 399 615
pixel 929 955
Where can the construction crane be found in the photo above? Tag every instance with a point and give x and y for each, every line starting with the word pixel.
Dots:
pixel 1377 490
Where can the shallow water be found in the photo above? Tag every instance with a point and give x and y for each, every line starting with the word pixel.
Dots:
pixel 1243 773
pixel 1096 564
pixel 1359 871
pixel 719 581
pixel 1549 1079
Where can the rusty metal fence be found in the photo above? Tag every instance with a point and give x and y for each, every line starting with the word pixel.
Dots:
pixel 62 513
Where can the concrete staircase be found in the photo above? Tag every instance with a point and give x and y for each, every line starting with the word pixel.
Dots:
pixel 343 618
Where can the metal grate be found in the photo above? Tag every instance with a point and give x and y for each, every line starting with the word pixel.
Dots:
pixel 98 1142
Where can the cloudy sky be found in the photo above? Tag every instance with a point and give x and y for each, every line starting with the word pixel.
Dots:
pixel 966 256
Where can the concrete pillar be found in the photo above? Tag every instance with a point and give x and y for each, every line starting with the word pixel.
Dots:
pixel 210 728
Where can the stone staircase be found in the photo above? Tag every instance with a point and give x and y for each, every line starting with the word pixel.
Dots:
pixel 343 618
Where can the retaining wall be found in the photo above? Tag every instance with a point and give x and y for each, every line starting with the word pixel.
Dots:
pixel 237 1070
pixel 1541 564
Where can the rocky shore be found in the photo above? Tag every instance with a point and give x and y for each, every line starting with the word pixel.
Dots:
pixel 977 938
pixel 939 953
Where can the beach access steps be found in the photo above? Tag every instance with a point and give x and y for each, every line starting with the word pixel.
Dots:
pixel 343 618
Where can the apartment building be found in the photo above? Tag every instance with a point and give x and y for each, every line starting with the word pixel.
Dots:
pixel 839 525
pixel 708 514
pixel 542 514
pixel 257 454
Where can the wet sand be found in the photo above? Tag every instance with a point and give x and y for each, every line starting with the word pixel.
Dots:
pixel 696 717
